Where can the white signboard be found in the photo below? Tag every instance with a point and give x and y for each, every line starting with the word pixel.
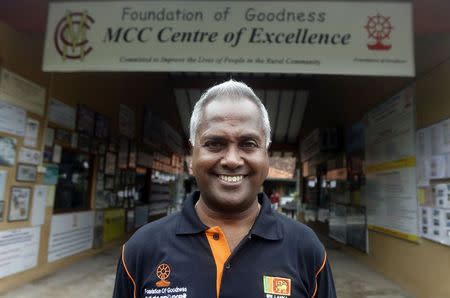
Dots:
pixel 12 119
pixel 390 193
pixel 18 250
pixel 231 36
pixel 22 92
pixel 61 114
pixel 70 234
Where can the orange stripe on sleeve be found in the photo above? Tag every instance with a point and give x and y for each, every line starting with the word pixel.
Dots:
pixel 318 272
pixel 126 270
pixel 220 250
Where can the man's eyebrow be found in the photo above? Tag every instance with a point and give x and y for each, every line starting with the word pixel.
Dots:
pixel 251 136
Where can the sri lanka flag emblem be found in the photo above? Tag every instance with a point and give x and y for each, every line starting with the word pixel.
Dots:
pixel 277 285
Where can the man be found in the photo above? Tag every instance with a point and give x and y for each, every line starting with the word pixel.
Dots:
pixel 227 241
pixel 275 200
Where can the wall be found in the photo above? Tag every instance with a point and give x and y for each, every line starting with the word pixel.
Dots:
pixel 102 92
pixel 423 268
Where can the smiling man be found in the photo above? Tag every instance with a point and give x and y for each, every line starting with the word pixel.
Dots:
pixel 227 241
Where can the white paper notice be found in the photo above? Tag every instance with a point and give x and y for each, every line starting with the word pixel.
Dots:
pixel 437 139
pixel 70 234
pixel 445 136
pixel 29 156
pixel 57 151
pixel 31 133
pixel 3 177
pixel 62 114
pixel 12 119
pixel 18 250
pixel 437 167
pixel 22 92
pixel 49 136
pixel 39 202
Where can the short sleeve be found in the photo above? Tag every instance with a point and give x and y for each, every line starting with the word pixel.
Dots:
pixel 124 285
pixel 325 284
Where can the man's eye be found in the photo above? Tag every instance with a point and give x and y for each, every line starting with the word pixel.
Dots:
pixel 249 144
pixel 213 145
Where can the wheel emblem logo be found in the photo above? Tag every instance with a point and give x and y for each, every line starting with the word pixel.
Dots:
pixel 379 28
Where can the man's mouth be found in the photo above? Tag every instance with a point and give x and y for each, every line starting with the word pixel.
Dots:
pixel 231 178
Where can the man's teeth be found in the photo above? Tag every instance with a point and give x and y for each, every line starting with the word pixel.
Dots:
pixel 231 178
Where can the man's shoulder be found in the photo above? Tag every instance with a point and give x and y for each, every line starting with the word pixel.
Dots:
pixel 303 235
pixel 152 233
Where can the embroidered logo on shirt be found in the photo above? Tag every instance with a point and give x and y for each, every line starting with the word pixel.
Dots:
pixel 163 273
pixel 277 285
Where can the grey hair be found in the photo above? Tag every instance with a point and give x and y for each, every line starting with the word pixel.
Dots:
pixel 230 89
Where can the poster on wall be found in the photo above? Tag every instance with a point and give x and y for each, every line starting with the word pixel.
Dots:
pixel 19 203
pixel 31 133
pixel 8 151
pixel 49 136
pixel 22 92
pixel 110 163
pixel 3 179
pixel 26 173
pixel 51 174
pixel 39 201
pixel 102 126
pixel 29 156
pixel 70 234
pixel 12 119
pixel 19 250
pixel 61 114
pixel 113 224
pixel 85 120
pixel 390 194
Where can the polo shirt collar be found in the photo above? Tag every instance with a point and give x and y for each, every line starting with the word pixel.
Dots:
pixel 266 224
pixel 189 222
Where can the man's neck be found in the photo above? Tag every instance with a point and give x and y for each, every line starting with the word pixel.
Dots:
pixel 235 226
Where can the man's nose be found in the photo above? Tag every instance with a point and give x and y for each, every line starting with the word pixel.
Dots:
pixel 232 158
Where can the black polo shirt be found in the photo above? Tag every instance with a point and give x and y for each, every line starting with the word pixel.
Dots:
pixel 179 257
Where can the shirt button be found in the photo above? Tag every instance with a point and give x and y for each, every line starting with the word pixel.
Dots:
pixel 216 236
pixel 227 266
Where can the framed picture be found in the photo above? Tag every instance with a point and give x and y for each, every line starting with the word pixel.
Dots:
pixel 102 125
pixel 101 148
pixel 85 120
pixel 109 183
pixel 101 163
pixel 123 154
pixel 110 163
pixel 26 173
pixel 132 155
pixel 48 154
pixel 8 148
pixel 100 186
pixel 19 203
pixel 84 142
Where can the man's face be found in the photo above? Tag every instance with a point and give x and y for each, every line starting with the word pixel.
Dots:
pixel 230 159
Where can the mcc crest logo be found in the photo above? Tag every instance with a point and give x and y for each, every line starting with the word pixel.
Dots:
pixel 70 35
